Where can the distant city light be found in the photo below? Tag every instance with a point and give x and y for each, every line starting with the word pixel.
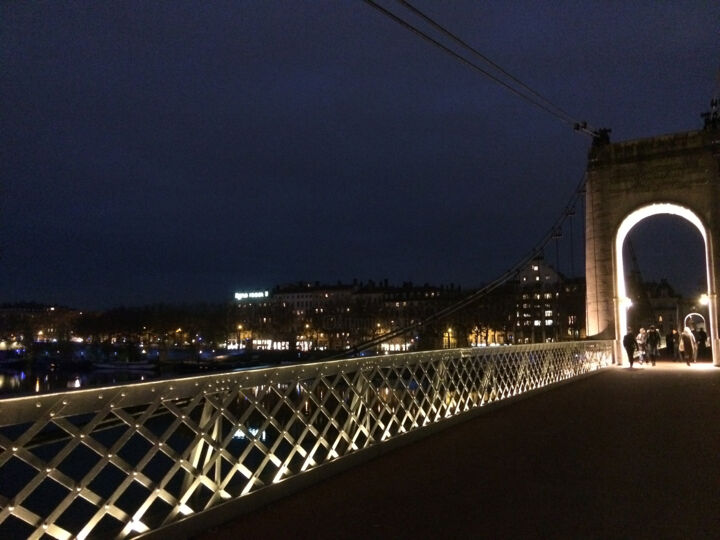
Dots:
pixel 240 434
pixel 251 295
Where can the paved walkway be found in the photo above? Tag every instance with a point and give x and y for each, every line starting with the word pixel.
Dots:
pixel 627 453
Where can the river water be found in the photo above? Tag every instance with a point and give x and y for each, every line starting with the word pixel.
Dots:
pixel 23 380
pixel 30 377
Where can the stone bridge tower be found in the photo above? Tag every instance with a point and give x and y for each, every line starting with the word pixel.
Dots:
pixel 628 181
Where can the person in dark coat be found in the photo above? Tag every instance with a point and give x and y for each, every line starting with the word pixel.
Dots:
pixel 630 345
pixel 653 343
pixel 701 342
pixel 670 344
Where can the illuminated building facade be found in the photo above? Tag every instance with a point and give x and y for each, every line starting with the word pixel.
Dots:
pixel 314 316
pixel 549 306
pixel 540 305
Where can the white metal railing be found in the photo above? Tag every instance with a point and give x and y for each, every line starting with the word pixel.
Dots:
pixel 124 460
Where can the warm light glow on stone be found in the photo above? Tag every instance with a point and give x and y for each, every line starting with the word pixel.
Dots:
pixel 625 227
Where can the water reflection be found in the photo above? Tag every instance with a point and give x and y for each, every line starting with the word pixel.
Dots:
pixel 34 379
pixel 240 434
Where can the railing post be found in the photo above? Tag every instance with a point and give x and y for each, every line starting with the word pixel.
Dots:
pixel 197 460
pixel 358 402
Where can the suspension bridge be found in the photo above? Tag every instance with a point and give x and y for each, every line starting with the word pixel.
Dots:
pixel 177 456
pixel 546 439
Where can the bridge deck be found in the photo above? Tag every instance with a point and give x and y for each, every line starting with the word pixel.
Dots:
pixel 622 454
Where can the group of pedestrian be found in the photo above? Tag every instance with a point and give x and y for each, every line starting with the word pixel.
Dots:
pixel 687 346
pixel 644 346
pixel 646 343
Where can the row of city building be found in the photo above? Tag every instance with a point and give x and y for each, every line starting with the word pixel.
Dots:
pixel 538 305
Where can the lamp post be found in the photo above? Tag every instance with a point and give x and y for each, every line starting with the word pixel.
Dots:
pixel 377 332
pixel 308 335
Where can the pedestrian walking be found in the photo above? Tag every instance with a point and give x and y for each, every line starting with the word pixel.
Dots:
pixel 670 341
pixel 653 343
pixel 688 346
pixel 630 345
pixel 641 341
pixel 701 342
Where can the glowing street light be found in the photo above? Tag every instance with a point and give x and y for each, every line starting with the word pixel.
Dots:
pixel 704 300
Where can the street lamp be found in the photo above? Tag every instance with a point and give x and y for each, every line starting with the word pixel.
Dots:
pixel 239 336
pixel 308 336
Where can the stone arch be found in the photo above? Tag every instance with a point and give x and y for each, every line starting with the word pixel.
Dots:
pixel 624 229
pixel 628 181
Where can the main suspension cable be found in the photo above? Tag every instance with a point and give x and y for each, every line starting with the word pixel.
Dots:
pixel 472 49
pixel 528 94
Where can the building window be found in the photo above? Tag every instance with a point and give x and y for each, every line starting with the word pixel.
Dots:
pixel 548 312
pixel 548 322
pixel 536 322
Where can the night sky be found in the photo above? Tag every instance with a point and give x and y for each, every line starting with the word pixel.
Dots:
pixel 178 151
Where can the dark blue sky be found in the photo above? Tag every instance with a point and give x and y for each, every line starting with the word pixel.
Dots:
pixel 178 151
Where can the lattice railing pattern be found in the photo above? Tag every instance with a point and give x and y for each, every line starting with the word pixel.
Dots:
pixel 123 460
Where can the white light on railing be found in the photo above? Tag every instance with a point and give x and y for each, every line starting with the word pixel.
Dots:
pixel 138 526
pixel 376 400
pixel 280 474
